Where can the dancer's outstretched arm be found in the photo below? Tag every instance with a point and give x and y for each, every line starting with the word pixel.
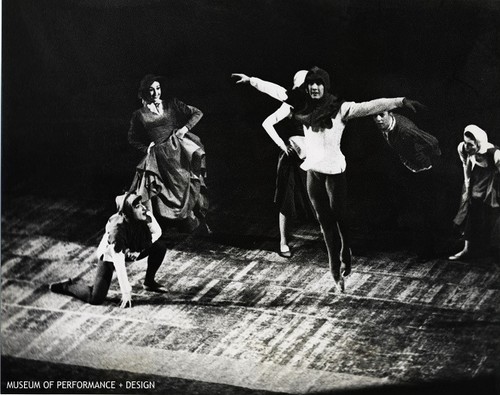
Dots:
pixel 269 88
pixel 350 110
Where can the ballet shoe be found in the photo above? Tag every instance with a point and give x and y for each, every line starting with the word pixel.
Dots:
pixel 459 256
pixel 345 267
pixel 340 285
pixel 61 287
pixel 154 286
pixel 285 251
pixel 339 282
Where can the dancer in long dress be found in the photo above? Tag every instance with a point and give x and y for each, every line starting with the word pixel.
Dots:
pixel 171 177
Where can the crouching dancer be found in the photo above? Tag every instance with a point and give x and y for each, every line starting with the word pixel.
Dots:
pixel 132 233
pixel 479 212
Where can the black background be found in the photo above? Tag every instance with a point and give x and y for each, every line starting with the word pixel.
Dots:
pixel 71 71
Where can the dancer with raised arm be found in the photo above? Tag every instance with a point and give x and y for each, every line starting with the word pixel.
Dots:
pixel 323 118
pixel 290 194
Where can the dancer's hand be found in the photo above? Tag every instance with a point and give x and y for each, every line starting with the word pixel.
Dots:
pixel 132 256
pixel 181 132
pixel 283 146
pixel 151 145
pixel 413 105
pixel 287 149
pixel 126 300
pixel 242 78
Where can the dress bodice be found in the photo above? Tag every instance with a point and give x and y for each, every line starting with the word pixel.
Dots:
pixel 147 126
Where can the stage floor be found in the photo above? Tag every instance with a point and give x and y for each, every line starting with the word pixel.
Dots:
pixel 237 314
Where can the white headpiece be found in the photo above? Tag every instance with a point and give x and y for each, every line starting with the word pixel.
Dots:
pixel 299 78
pixel 480 136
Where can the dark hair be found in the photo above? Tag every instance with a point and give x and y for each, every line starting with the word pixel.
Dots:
pixel 146 83
pixel 470 135
pixel 128 208
pixel 318 113
pixel 315 74
pixel 130 234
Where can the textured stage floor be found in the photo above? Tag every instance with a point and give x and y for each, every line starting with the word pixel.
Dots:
pixel 238 318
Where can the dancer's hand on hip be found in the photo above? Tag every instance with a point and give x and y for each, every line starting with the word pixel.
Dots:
pixel 180 133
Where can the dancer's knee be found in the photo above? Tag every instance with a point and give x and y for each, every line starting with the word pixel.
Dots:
pixel 97 300
pixel 97 296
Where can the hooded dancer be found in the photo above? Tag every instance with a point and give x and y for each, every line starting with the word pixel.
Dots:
pixel 479 211
pixel 290 193
pixel 323 118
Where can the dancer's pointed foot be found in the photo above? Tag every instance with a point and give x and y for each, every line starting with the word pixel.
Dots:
pixel 340 285
pixel 338 280
pixel 345 269
pixel 345 266
pixel 154 286
pixel 285 251
pixel 464 254
pixel 61 287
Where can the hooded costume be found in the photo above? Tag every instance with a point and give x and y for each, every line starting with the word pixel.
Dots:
pixel 324 121
pixel 318 114
pixel 480 205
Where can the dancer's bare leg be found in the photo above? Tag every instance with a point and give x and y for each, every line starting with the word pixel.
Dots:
pixel 462 254
pixel 284 248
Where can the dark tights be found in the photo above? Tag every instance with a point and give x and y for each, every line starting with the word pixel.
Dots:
pixel 328 194
pixel 96 294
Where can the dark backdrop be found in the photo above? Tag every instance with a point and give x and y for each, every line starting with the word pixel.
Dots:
pixel 71 70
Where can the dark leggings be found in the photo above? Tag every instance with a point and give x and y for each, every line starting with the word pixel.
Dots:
pixel 96 294
pixel 328 194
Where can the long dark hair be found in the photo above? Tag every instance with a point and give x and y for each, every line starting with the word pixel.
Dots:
pixel 470 135
pixel 318 114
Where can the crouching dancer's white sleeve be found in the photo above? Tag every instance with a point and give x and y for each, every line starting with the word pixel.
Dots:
pixel 121 273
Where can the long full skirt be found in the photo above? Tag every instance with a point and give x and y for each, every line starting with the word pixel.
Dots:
pixel 171 180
